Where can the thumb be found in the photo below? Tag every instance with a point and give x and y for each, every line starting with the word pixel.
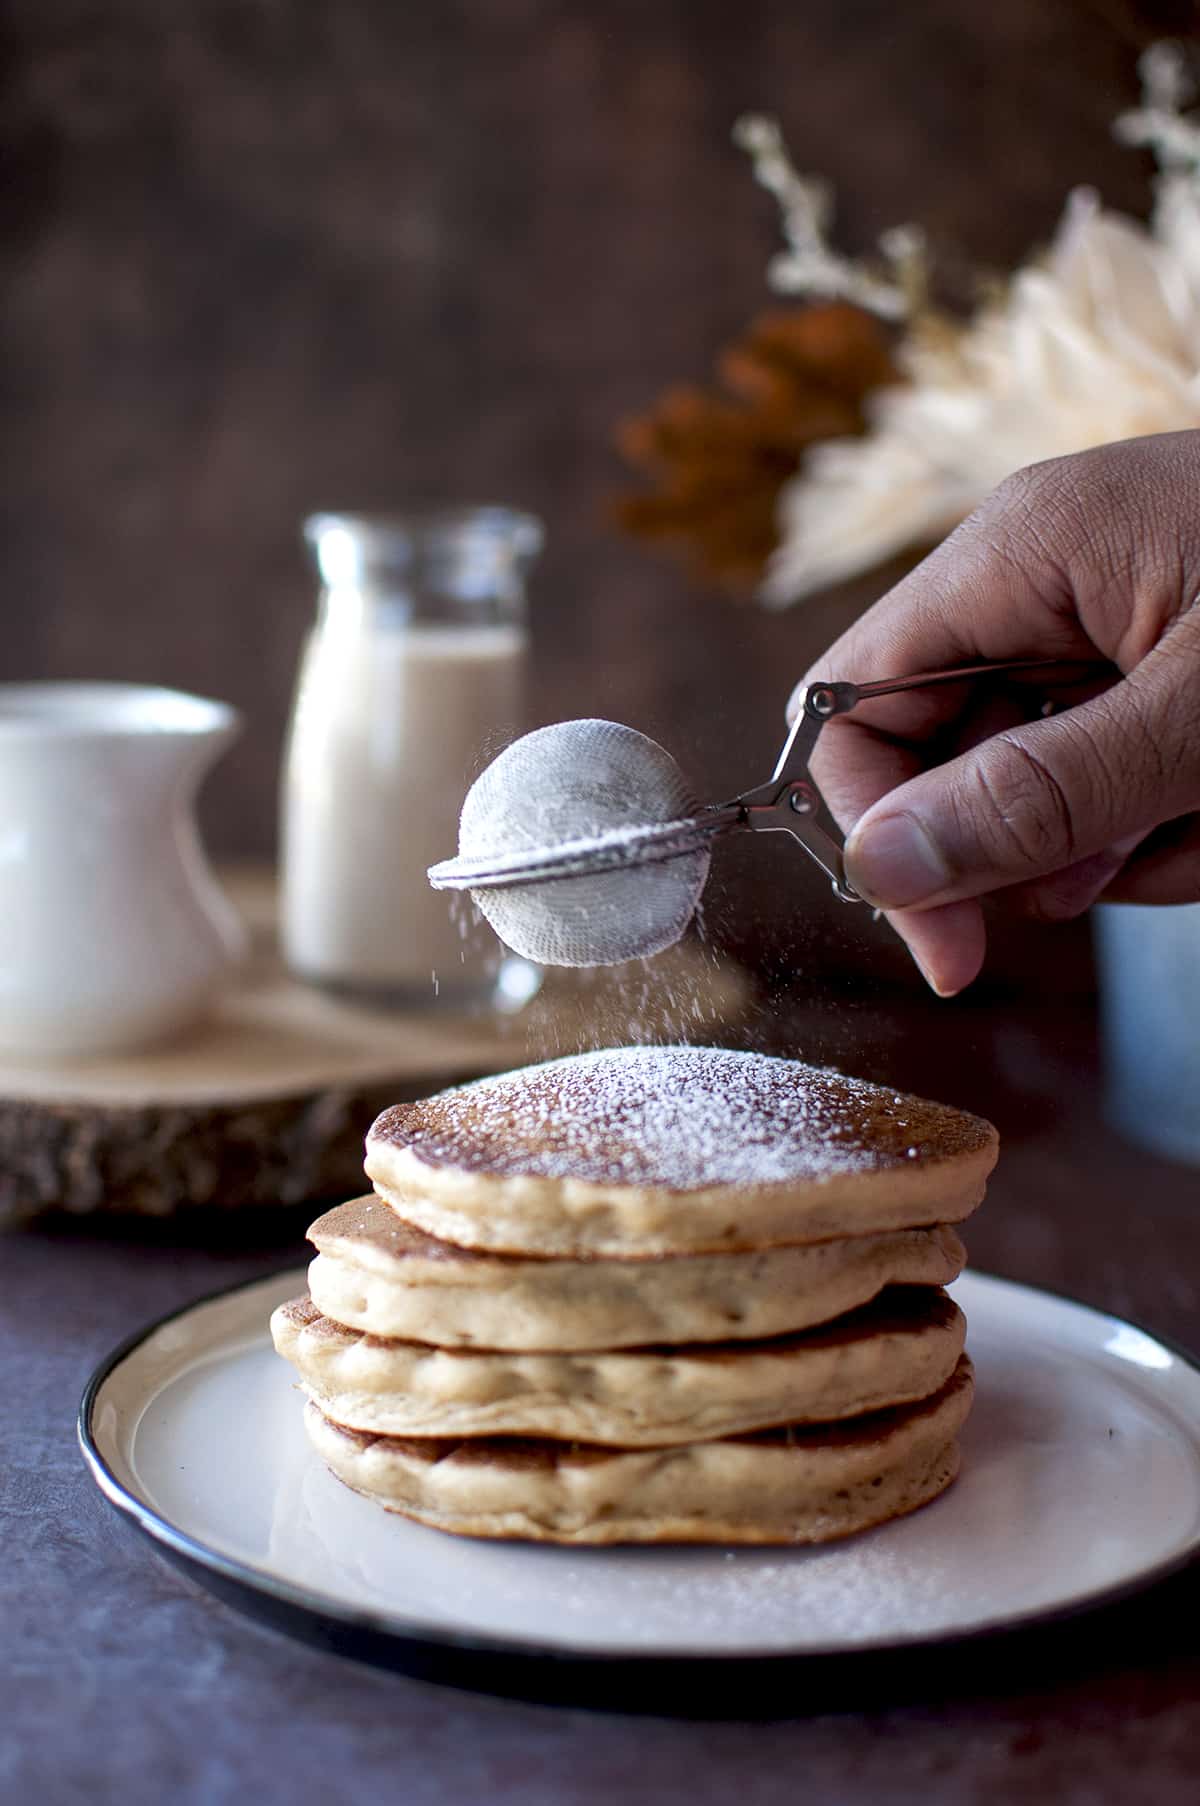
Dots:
pixel 1040 798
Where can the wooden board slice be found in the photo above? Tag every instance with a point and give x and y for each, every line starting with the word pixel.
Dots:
pixel 268 1103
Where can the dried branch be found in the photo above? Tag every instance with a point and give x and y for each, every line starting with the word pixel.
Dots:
pixel 810 265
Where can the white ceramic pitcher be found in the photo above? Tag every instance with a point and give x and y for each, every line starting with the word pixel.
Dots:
pixel 113 932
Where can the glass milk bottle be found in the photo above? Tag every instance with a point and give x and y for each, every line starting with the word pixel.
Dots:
pixel 411 679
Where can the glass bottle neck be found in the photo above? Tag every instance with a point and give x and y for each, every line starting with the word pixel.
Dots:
pixel 466 566
pixel 362 607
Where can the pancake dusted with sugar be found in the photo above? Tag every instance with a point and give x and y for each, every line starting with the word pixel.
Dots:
pixel 375 1272
pixel 647 1295
pixel 670 1150
pixel 903 1348
pixel 780 1486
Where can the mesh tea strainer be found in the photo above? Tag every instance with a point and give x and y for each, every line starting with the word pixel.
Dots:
pixel 583 844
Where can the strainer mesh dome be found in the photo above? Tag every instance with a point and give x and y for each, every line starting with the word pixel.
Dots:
pixel 568 782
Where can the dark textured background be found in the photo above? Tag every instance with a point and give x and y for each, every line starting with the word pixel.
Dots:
pixel 263 256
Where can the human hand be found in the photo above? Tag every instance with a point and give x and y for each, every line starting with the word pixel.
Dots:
pixel 955 793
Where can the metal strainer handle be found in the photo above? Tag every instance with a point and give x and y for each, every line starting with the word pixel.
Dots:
pixel 823 700
pixel 790 801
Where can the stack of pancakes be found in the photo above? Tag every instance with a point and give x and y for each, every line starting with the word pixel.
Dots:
pixel 662 1294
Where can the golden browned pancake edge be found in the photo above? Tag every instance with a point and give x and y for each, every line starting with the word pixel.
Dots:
pixel 674 1150
pixel 901 1348
pixel 780 1486
pixel 374 1273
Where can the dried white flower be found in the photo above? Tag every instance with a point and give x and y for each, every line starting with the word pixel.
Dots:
pixel 1098 341
pixel 810 266
pixel 1158 124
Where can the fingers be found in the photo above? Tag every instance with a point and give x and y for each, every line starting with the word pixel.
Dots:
pixel 855 763
pixel 1093 554
pixel 1070 892
pixel 948 944
pixel 854 766
pixel 987 593
pixel 1042 798
pixel 991 590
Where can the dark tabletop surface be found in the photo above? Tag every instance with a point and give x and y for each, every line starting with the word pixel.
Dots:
pixel 126 1681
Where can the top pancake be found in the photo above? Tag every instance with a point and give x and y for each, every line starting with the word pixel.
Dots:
pixel 653 1150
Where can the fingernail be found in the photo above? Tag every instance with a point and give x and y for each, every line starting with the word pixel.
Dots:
pixel 894 864
pixel 939 989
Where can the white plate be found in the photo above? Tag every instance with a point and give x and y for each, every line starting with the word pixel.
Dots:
pixel 1080 1481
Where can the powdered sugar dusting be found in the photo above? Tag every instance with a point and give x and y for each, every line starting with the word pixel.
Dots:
pixel 598 784
pixel 684 1118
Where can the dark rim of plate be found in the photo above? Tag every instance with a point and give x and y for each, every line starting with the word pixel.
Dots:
pixel 355 1631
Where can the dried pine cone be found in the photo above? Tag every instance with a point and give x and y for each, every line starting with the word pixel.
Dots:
pixel 719 460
